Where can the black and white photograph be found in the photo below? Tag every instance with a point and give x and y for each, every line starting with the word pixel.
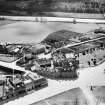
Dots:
pixel 52 52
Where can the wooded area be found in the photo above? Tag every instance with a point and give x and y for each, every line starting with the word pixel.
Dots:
pixel 34 7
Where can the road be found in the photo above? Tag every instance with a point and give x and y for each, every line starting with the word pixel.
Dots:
pixel 53 19
pixel 88 76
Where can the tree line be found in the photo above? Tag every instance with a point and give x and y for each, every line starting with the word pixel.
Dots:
pixel 30 7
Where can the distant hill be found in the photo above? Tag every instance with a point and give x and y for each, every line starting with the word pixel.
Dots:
pixel 38 7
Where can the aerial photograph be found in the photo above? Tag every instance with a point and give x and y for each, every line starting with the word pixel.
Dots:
pixel 52 52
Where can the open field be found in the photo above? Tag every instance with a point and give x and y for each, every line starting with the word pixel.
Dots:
pixel 34 32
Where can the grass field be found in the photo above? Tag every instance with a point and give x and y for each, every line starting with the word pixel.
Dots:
pixel 34 32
